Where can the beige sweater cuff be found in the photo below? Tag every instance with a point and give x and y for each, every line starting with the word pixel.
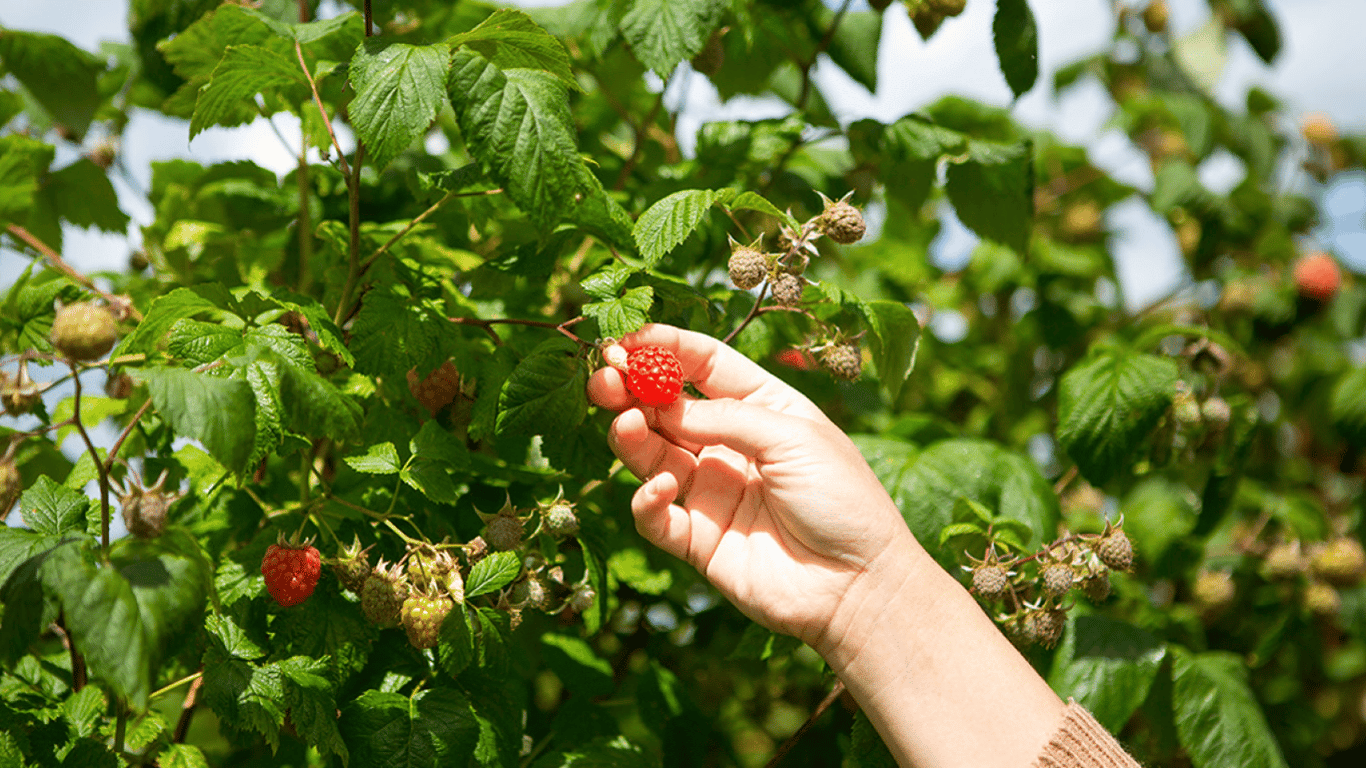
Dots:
pixel 1081 742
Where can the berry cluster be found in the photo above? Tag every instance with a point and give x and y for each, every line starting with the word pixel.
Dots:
pixel 1034 588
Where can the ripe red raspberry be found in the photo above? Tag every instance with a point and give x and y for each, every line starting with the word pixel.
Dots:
pixel 796 358
pixel 1317 276
pixel 291 572
pixel 654 376
pixel 437 390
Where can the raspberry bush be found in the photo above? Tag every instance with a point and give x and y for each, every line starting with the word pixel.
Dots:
pixel 384 351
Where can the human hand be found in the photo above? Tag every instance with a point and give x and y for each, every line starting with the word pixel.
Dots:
pixel 754 487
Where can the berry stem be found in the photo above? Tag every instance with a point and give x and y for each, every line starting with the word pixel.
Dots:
pixel 114 452
pixel 743 231
pixel 99 467
pixel 167 688
pixel 753 312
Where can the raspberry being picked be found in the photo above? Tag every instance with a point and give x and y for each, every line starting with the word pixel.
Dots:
pixel 654 376
pixel 291 571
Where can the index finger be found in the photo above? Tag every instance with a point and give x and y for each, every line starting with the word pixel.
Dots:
pixel 718 371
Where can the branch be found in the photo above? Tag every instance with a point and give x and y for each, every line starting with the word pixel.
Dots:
pixel 99 467
pixel 418 220
pixel 56 259
pixel 318 100
pixel 182 726
pixel 754 310
pixel 639 148
pixel 810 721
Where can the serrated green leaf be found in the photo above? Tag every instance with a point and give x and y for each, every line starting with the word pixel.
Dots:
pixel 399 88
pixel 492 573
pixel 1108 666
pixel 854 44
pixel 753 201
pixel 123 615
pixel 607 282
pixel 1017 44
pixel 182 756
pixel 313 706
pixel 435 727
pixel 22 161
pixel 584 673
pixel 667 223
pixel 432 479
pixel 392 335
pixel 242 73
pixel 433 443
pixel 82 194
pixel 518 125
pixel 1218 719
pixel 663 33
pixel 232 640
pixel 161 317
pixel 760 643
pixel 58 75
pixel 959 529
pixel 934 481
pixel 219 413
pixel 247 697
pixel 380 459
pixel 993 192
pixel 545 394
pixel 196 342
pixel 455 649
pixel 1107 406
pixel 510 39
pixel 618 317
pixel 314 405
pixel 53 510
pixel 894 343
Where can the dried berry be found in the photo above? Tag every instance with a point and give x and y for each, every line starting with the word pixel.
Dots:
pixel 708 61
pixel 582 599
pixel 748 267
pixel 21 395
pixel 990 580
pixel 530 593
pixel 505 531
pixel 787 288
pixel 843 360
pixel 437 389
pixel 119 386
pixel 1045 626
pixel 83 331
pixel 841 222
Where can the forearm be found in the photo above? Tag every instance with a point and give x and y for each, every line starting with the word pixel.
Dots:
pixel 935 676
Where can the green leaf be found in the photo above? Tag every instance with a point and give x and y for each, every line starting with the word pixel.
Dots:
pixel 393 334
pixel 854 46
pixel 22 161
pixel 545 394
pixel 583 672
pixel 1175 185
pixel 518 125
pixel 182 756
pixel 993 192
pixel 632 567
pixel 82 194
pixel 455 649
pixel 510 39
pixel 959 529
pixel 600 752
pixel 929 489
pixel 219 413
pixel 866 747
pixel 196 342
pixel 492 573
pixel 1108 666
pixel 607 282
pixel 124 614
pixel 663 33
pixel 381 459
pixel 246 697
pixel 618 317
pixel 1017 44
pixel 668 223
pixel 434 443
pixel 312 705
pixel 242 73
pixel 399 88
pixel 432 479
pixel 54 510
pixel 1218 719
pixel 315 406
pixel 894 342
pixel 761 643
pixel 1347 406
pixel 1108 405
pixel 433 728
pixel 58 75
pixel 753 201
pixel 160 318
pixel 231 639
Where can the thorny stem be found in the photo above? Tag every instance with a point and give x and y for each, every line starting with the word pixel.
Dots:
pixel 829 699
pixel 56 260
pixel 182 726
pixel 753 311
pixel 369 20
pixel 318 100
pixel 353 246
pixel 99 466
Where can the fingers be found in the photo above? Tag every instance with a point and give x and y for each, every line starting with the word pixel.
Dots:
pixel 658 519
pixel 750 430
pixel 645 452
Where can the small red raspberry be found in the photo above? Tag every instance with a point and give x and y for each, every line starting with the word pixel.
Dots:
pixel 654 376
pixel 796 358
pixel 1317 276
pixel 438 389
pixel 83 331
pixel 291 572
pixel 422 617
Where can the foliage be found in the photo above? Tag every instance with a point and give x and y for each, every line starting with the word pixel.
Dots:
pixel 387 350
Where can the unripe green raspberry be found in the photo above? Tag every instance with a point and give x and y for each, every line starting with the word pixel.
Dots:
pixel 1214 591
pixel 748 267
pixel 352 566
pixel 382 595
pixel 845 360
pixel 787 289
pixel 1321 599
pixel 1115 550
pixel 1285 561
pixel 1096 587
pixel 422 617
pixel 842 223
pixel 1057 579
pixel 530 593
pixel 990 580
pixel 83 331
pixel 504 531
pixel 1045 626
pixel 560 519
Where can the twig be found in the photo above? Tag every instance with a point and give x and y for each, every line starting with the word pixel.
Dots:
pixel 158 693
pixel 182 726
pixel 487 325
pixel 418 220
pixel 99 467
pixel 1065 480
pixel 829 699
pixel 731 214
pixel 77 661
pixel 113 452
pixel 820 48
pixel 57 262
pixel 754 310
pixel 318 100
pixel 353 245
pixel 120 728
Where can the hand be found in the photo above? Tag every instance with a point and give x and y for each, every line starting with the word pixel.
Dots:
pixel 754 486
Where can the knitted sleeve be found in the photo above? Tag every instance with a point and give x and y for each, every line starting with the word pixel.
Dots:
pixel 1081 742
